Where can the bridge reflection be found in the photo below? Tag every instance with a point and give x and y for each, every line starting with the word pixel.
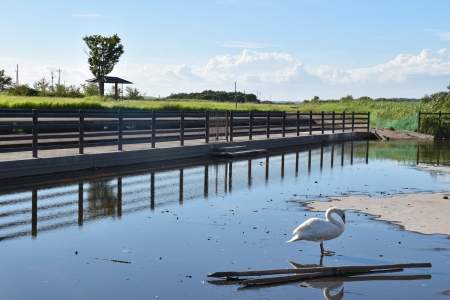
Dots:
pixel 79 203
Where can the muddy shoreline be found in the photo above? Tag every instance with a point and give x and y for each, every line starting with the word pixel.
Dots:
pixel 389 134
pixel 425 213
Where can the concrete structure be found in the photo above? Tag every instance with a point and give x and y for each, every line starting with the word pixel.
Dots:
pixel 15 170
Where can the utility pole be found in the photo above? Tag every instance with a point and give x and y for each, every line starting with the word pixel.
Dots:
pixel 59 76
pixel 53 76
pixel 235 94
pixel 17 75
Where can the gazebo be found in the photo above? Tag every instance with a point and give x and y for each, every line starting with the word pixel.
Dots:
pixel 110 79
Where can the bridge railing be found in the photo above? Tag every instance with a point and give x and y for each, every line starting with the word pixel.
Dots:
pixel 35 130
pixel 435 123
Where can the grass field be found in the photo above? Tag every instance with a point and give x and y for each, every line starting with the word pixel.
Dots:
pixel 387 114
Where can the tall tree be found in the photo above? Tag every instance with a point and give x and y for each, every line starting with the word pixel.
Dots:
pixel 5 81
pixel 42 86
pixel 104 53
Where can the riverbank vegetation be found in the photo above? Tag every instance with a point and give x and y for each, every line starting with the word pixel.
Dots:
pixel 385 113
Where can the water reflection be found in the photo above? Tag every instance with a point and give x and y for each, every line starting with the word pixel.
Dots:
pixel 81 202
pixel 103 199
pixel 435 153
pixel 138 228
pixel 85 201
pixel 333 287
pixel 56 206
pixel 329 289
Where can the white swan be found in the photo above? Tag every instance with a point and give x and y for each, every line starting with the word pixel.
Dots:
pixel 319 230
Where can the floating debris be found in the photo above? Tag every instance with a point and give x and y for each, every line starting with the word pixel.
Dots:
pixel 114 260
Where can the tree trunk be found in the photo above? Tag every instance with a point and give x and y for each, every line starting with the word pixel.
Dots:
pixel 101 88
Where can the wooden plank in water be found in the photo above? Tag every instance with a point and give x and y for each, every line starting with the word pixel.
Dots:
pixel 318 269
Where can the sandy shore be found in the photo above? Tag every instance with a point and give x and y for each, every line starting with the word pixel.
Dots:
pixel 434 168
pixel 426 213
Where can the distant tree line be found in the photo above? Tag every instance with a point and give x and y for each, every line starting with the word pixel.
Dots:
pixel 350 98
pixel 44 88
pixel 220 96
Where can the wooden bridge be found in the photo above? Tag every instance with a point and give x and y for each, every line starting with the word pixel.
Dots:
pixel 45 142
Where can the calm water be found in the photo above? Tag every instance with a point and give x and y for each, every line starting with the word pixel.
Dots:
pixel 175 226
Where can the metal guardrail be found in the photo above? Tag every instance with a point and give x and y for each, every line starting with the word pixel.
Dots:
pixel 34 130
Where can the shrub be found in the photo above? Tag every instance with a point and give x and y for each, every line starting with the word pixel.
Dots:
pixel 70 91
pixel 22 90
pixel 42 86
pixel 133 93
pixel 431 125
pixel 90 89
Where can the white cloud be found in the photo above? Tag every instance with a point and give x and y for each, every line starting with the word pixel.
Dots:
pixel 278 74
pixel 445 36
pixel 400 68
pixel 244 45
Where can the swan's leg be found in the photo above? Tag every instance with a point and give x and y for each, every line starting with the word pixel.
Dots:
pixel 325 252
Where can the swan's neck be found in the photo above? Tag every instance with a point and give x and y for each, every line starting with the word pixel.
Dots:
pixel 330 218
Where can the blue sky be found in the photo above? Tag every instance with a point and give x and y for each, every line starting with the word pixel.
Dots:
pixel 284 50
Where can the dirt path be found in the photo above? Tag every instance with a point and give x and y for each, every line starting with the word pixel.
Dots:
pixel 388 134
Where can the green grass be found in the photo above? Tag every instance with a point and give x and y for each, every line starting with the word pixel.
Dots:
pixel 386 114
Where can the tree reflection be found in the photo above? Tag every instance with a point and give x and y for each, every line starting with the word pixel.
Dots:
pixel 102 199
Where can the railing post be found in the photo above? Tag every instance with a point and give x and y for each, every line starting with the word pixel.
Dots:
pixel 368 121
pixel 81 132
pixel 333 125
pixel 35 133
pixel 34 209
pixel 343 121
pixel 298 123
pixel 153 129
pixel 206 126
pixel 120 119
pixel 80 203
pixel 250 129
pixel 419 117
pixel 182 128
pixel 231 126
pixel 283 120
pixel 119 197
pixel 353 121
pixel 310 122
pixel 268 125
pixel 323 122
pixel 227 124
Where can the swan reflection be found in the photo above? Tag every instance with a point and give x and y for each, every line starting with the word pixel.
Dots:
pixel 332 289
